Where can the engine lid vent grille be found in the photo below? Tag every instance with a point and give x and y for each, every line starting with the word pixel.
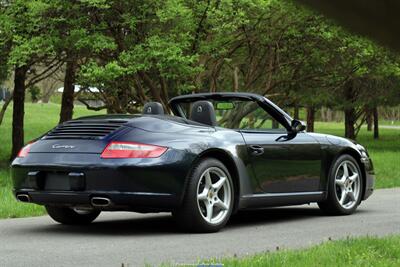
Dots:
pixel 90 129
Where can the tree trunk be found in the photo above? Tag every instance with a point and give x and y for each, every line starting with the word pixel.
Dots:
pixel 4 108
pixel 236 79
pixel 349 112
pixel 154 91
pixel 18 110
pixel 376 123
pixel 67 102
pixel 296 112
pixel 323 114
pixel 326 114
pixel 310 118
pixel 275 124
pixel 368 119
pixel 349 121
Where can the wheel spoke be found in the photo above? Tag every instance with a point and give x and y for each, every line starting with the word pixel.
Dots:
pixel 209 210
pixel 220 204
pixel 217 186
pixel 353 178
pixel 351 196
pixel 343 197
pixel 207 176
pixel 203 195
pixel 345 170
pixel 340 182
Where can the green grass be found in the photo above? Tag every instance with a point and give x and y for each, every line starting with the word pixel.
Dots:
pixel 10 208
pixel 391 123
pixel 40 118
pixel 363 252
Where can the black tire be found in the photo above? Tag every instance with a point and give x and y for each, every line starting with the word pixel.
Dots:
pixel 66 215
pixel 332 204
pixel 189 216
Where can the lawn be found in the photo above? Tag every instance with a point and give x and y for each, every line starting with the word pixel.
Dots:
pixel 366 251
pixel 39 118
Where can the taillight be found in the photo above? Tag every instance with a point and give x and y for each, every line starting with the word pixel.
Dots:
pixel 24 151
pixel 117 150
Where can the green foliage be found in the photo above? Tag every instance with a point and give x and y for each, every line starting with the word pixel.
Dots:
pixel 22 30
pixel 135 50
pixel 151 59
pixel 35 94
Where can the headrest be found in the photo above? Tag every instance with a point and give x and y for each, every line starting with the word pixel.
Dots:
pixel 203 112
pixel 154 108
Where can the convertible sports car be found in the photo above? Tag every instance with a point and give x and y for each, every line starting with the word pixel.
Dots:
pixel 219 153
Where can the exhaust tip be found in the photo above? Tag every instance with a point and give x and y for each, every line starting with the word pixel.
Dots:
pixel 100 201
pixel 24 198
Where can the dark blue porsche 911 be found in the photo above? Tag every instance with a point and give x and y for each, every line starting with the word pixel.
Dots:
pixel 217 154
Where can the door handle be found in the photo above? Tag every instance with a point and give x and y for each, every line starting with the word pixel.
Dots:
pixel 256 150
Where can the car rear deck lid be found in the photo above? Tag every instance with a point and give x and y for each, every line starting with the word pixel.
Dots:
pixel 85 129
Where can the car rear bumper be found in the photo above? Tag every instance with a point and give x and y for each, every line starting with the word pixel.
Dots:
pixel 140 201
pixel 73 180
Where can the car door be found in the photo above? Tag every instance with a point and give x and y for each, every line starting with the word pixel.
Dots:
pixel 281 161
pixel 281 164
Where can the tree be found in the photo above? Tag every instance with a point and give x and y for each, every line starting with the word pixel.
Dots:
pixel 369 69
pixel 5 47
pixel 76 38
pixel 22 30
pixel 151 58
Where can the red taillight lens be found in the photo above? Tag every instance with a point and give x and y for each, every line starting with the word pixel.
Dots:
pixel 24 151
pixel 118 150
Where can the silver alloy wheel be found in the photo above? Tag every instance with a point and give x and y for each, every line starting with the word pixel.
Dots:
pixel 214 195
pixel 347 184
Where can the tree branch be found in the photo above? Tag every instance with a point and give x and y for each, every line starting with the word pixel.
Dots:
pixel 50 70
pixel 88 106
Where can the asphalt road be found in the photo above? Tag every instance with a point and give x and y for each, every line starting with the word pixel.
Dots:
pixel 134 239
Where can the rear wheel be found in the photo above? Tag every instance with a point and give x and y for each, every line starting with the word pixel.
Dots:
pixel 345 187
pixel 66 215
pixel 209 198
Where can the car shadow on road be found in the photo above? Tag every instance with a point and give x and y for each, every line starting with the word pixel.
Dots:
pixel 273 216
pixel 163 224
pixel 157 224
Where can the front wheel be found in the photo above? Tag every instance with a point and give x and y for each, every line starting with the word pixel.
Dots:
pixel 66 215
pixel 344 188
pixel 208 201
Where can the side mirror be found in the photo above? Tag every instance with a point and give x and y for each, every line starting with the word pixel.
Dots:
pixel 298 126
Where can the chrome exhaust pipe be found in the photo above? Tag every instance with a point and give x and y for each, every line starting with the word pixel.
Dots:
pixel 100 202
pixel 24 197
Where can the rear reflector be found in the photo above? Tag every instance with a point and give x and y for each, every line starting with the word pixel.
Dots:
pixel 117 150
pixel 24 151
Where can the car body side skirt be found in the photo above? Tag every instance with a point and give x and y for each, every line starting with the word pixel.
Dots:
pixel 280 199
